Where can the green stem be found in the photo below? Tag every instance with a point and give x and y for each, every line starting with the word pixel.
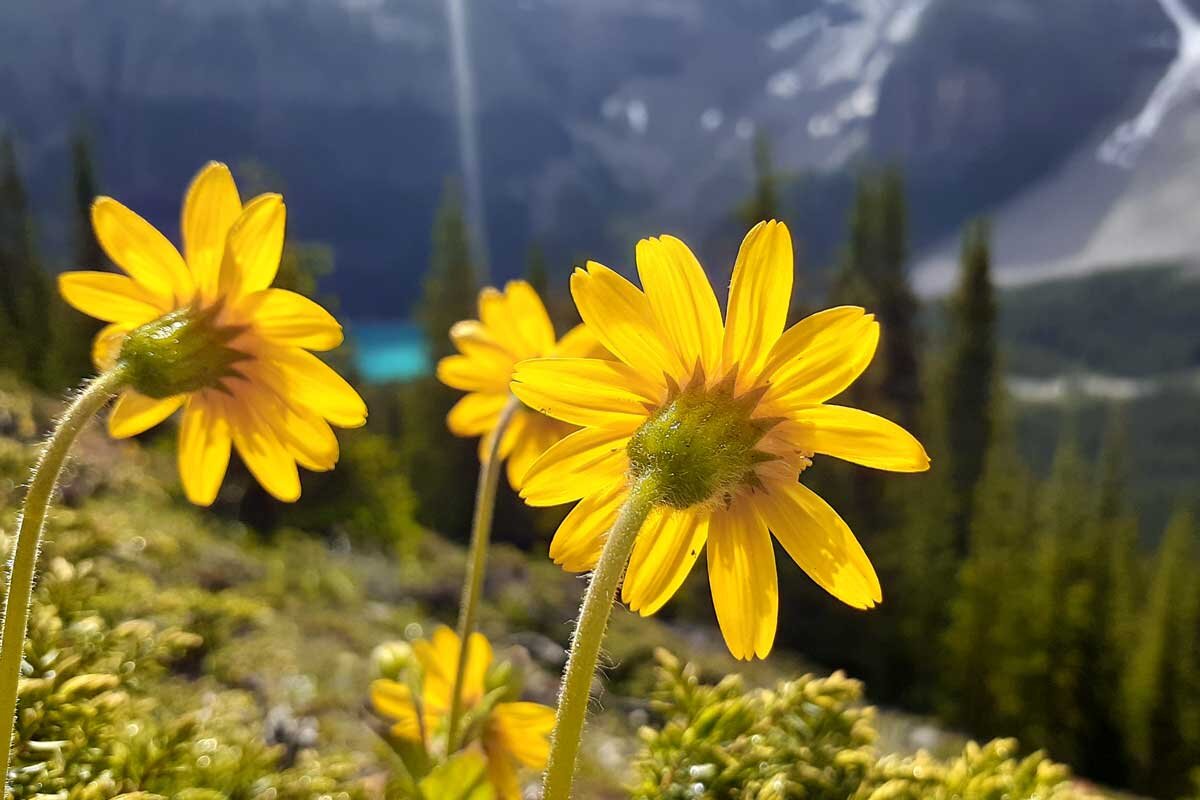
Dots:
pixel 481 534
pixel 589 635
pixel 29 539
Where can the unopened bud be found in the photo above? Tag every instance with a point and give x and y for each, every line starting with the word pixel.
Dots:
pixel 392 659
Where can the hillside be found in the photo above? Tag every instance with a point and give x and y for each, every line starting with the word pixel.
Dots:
pixel 195 658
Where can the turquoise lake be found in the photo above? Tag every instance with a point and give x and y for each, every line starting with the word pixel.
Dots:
pixel 387 350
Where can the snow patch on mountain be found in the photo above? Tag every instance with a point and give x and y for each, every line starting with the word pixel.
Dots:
pixel 1181 80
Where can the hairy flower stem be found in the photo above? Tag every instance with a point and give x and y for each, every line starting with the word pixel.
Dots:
pixel 481 535
pixel 29 539
pixel 589 635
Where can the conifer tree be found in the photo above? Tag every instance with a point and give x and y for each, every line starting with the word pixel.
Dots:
pixel 536 271
pixel 1066 590
pixel 897 306
pixel 764 203
pixel 970 371
pixel 74 331
pixel 25 290
pixel 1117 579
pixel 1161 687
pixel 853 284
pixel 451 285
pixel 440 466
pixel 988 660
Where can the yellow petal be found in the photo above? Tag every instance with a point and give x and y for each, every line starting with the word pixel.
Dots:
pixel 745 587
pixel 310 383
pixel 540 433
pixel 475 414
pixel 577 542
pixel 137 247
pixel 473 339
pixel 439 663
pixel 210 208
pixel 292 319
pixel 111 297
pixel 522 730
pixel 502 775
pixel 307 437
pixel 820 542
pixel 620 317
pixel 267 458
pixel 107 345
pixel 759 296
pixel 858 436
pixel 134 413
pixel 475 374
pixel 682 301
pixel 663 555
pixel 254 246
pixel 820 356
pixel 580 342
pixel 204 445
pixel 580 464
pixel 394 700
pixel 584 391
pixel 512 434
pixel 530 318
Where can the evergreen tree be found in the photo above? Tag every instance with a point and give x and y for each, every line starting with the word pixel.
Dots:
pixel 989 663
pixel 451 286
pixel 25 290
pixel 1113 622
pixel 1161 687
pixel 86 251
pixel 764 203
pixel 970 371
pixel 897 306
pixel 1067 597
pixel 73 330
pixel 536 271
pixel 440 466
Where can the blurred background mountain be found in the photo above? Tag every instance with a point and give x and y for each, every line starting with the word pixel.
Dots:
pixel 600 121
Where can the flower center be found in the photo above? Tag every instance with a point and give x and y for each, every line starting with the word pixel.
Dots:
pixel 699 447
pixel 179 352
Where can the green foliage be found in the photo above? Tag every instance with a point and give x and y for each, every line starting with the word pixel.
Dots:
pixel 810 738
pixel 440 466
pixel 1064 326
pixel 104 712
pixel 988 663
pixel 1161 691
pixel 451 283
pixel 764 202
pixel 74 331
pixel 25 290
pixel 970 372
pixel 367 499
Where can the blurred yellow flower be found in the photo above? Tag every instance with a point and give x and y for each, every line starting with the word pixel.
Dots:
pixel 513 325
pixel 720 417
pixel 204 332
pixel 512 733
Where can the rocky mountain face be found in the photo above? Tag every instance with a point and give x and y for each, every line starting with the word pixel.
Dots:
pixel 597 122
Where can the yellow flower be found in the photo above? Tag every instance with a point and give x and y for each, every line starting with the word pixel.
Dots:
pixel 204 332
pixel 512 734
pixel 721 417
pixel 513 325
